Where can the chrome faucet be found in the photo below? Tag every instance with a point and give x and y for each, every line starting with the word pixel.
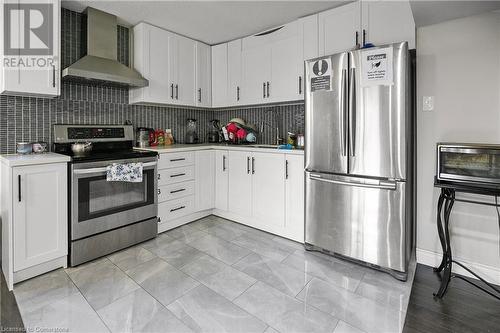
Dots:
pixel 278 139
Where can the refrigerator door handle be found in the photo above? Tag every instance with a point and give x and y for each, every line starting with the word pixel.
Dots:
pixel 352 112
pixel 383 185
pixel 343 108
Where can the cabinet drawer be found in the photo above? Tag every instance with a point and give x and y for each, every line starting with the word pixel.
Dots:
pixel 175 175
pixel 173 209
pixel 174 160
pixel 175 191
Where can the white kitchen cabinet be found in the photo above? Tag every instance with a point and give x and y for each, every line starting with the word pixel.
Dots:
pixel 268 190
pixel 234 72
pixel 204 179
pixel 182 62
pixel 219 75
pixel 256 68
pixel 240 180
pixel 339 29
pixel 28 81
pixel 221 179
pixel 203 75
pixel 151 59
pixel 307 47
pixel 385 22
pixel 294 197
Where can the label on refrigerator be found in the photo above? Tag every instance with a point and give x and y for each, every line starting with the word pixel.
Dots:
pixel 321 74
pixel 376 67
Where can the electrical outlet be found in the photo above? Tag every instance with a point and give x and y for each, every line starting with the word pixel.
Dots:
pixel 428 103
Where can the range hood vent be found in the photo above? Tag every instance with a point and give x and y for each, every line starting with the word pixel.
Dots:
pixel 100 64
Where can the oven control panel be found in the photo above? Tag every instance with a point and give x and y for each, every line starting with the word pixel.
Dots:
pixel 84 133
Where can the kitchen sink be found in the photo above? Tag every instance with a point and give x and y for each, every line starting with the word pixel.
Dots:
pixel 265 146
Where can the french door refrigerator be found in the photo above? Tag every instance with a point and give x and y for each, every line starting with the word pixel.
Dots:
pixel 358 157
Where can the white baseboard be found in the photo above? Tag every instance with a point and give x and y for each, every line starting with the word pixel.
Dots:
pixel 433 259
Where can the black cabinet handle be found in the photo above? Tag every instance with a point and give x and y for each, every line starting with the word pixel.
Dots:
pixel 19 188
pixel 159 176
pixel 238 93
pixel 300 85
pixel 286 169
pixel 172 91
pixel 177 191
pixel 223 162
pixel 159 219
pixel 176 91
pixel 177 175
pixel 267 89
pixel 177 159
pixel 364 37
pixel 357 37
pixel 159 191
pixel 248 165
pixel 253 165
pixel 199 95
pixel 54 76
pixel 264 89
pixel 174 209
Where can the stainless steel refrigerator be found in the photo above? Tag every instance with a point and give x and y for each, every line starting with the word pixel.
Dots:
pixel 359 156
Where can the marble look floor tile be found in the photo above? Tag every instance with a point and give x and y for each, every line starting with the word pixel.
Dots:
pixel 284 313
pixel 203 310
pixel 71 313
pixel 186 233
pixel 225 231
pixel 163 281
pixel 160 241
pixel 86 265
pixel 270 330
pixel 180 257
pixel 220 249
pixel 264 246
pixel 207 222
pixel 343 327
pixel 102 283
pixel 347 276
pixel 352 308
pixel 140 312
pixel 131 257
pixel 280 276
pixel 166 247
pixel 288 242
pixel 221 278
pixel 42 290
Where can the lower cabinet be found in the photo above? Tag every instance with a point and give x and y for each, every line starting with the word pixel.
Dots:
pixel 204 179
pixel 294 197
pixel 240 183
pixel 221 179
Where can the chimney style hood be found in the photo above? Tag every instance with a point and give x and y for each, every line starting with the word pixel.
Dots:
pixel 100 64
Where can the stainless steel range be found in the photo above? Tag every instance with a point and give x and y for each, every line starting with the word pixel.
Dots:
pixel 106 216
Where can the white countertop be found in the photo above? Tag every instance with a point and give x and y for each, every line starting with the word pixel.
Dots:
pixel 12 160
pixel 221 146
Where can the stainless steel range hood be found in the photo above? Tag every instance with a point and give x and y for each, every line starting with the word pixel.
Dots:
pixel 100 64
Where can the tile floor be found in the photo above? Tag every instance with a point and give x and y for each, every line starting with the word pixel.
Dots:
pixel 214 275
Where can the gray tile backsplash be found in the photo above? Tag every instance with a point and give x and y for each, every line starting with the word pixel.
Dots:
pixel 26 119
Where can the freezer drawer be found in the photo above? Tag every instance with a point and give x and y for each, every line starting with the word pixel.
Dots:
pixel 357 217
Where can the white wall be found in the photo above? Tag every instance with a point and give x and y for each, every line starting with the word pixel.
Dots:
pixel 458 62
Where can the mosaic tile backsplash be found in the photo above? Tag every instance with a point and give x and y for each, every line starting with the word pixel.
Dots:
pixel 27 119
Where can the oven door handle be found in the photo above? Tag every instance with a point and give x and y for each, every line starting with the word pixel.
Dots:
pixel 103 169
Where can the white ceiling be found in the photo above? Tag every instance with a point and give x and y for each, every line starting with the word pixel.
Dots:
pixel 211 22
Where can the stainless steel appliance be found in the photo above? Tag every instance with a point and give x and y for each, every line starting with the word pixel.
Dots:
pixel 469 163
pixel 106 216
pixel 358 158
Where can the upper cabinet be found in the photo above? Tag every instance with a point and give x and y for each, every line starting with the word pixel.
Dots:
pixel 362 22
pixel 219 75
pixel 172 64
pixel 234 72
pixel 28 80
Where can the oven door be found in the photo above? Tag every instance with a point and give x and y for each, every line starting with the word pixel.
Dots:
pixel 98 205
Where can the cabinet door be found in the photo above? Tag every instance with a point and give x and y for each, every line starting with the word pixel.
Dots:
pixel 204 179
pixel 39 214
pixel 44 80
pixel 183 61
pixel 268 190
pixel 203 73
pixel 307 47
pixel 388 22
pixel 338 28
pixel 256 73
pixel 234 72
pixel 219 75
pixel 221 179
pixel 294 197
pixel 240 183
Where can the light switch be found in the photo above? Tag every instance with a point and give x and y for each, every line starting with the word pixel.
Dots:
pixel 428 103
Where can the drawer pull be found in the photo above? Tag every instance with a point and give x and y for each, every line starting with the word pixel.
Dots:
pixel 178 208
pixel 159 219
pixel 159 176
pixel 159 191
pixel 177 191
pixel 177 159
pixel 177 175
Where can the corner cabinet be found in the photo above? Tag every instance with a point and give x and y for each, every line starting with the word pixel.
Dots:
pixel 34 220
pixel 203 75
pixel 29 81
pixel 219 75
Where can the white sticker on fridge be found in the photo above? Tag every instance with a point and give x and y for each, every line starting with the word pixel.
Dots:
pixel 321 74
pixel 376 67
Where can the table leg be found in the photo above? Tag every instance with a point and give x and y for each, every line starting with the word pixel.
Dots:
pixel 440 230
